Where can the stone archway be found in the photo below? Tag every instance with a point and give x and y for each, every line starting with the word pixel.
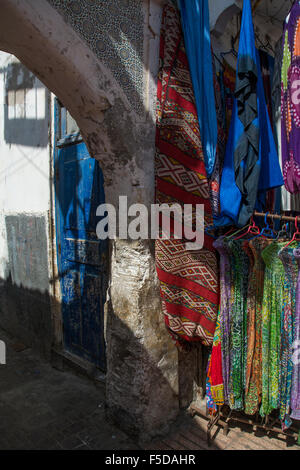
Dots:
pixel 142 377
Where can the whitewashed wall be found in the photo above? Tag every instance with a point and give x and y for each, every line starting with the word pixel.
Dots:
pixel 25 204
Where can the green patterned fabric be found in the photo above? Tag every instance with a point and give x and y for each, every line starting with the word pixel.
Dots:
pixel 240 267
pixel 286 61
pixel 273 300
pixel 290 264
pixel 254 318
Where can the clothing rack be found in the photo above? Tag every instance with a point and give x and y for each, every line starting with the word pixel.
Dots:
pixel 224 416
pixel 286 218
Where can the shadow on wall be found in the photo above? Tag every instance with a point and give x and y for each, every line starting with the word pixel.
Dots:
pixel 25 309
pixel 155 390
pixel 26 110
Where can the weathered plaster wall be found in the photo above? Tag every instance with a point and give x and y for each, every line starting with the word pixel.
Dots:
pixel 24 205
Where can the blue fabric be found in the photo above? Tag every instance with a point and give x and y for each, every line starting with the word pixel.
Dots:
pixel 265 172
pixel 195 25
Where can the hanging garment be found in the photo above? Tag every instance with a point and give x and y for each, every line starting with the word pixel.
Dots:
pixel 195 24
pixel 254 327
pixel 215 179
pixel 188 279
pixel 226 299
pixel 290 101
pixel 276 105
pixel 266 77
pixel 295 393
pixel 240 267
pixel 273 196
pixel 286 254
pixel 211 406
pixel 251 164
pixel 215 375
pixel 229 77
pixel 271 326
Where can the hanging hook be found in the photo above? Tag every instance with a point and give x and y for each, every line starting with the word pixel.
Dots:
pixel 295 234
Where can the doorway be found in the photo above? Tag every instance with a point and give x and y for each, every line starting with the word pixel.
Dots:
pixel 81 256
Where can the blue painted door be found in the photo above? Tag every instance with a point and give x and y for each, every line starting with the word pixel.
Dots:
pixel 82 257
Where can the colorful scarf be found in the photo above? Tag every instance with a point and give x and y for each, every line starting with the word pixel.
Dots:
pixel 254 329
pixel 195 24
pixel 295 393
pixel 215 368
pixel 290 103
pixel 273 299
pixel 290 264
pixel 226 299
pixel 251 165
pixel 240 266
pixel 188 279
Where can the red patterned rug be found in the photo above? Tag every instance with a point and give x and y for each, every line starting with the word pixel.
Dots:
pixel 188 279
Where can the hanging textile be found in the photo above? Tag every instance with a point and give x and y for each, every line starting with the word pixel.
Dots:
pixel 188 279
pixel 289 202
pixel 215 179
pixel 195 24
pixel 215 375
pixel 251 164
pixel 265 63
pixel 290 107
pixel 289 261
pixel 240 266
pixel 255 360
pixel 253 387
pixel 225 312
pixel 229 77
pixel 271 326
pixel 276 104
pixel 295 393
pixel 273 196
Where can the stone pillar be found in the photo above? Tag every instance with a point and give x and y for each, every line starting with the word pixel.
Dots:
pixel 142 375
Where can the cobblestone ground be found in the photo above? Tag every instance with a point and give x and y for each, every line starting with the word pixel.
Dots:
pixel 44 408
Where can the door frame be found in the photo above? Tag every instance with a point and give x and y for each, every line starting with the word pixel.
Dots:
pixel 59 128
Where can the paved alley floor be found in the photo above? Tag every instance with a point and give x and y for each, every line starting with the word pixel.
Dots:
pixel 192 436
pixel 44 408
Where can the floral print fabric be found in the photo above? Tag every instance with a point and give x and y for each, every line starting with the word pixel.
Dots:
pixel 258 324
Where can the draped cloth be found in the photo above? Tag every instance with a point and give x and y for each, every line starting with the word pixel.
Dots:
pixel 295 392
pixel 226 300
pixel 251 164
pixel 273 299
pixel 195 24
pixel 188 279
pixel 253 389
pixel 215 179
pixel 290 103
pixel 214 373
pixel 286 254
pixel 240 266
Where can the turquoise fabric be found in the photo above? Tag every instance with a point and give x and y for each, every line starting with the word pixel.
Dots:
pixel 195 25
pixel 251 163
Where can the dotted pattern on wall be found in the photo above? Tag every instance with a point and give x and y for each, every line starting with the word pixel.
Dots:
pixel 114 31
